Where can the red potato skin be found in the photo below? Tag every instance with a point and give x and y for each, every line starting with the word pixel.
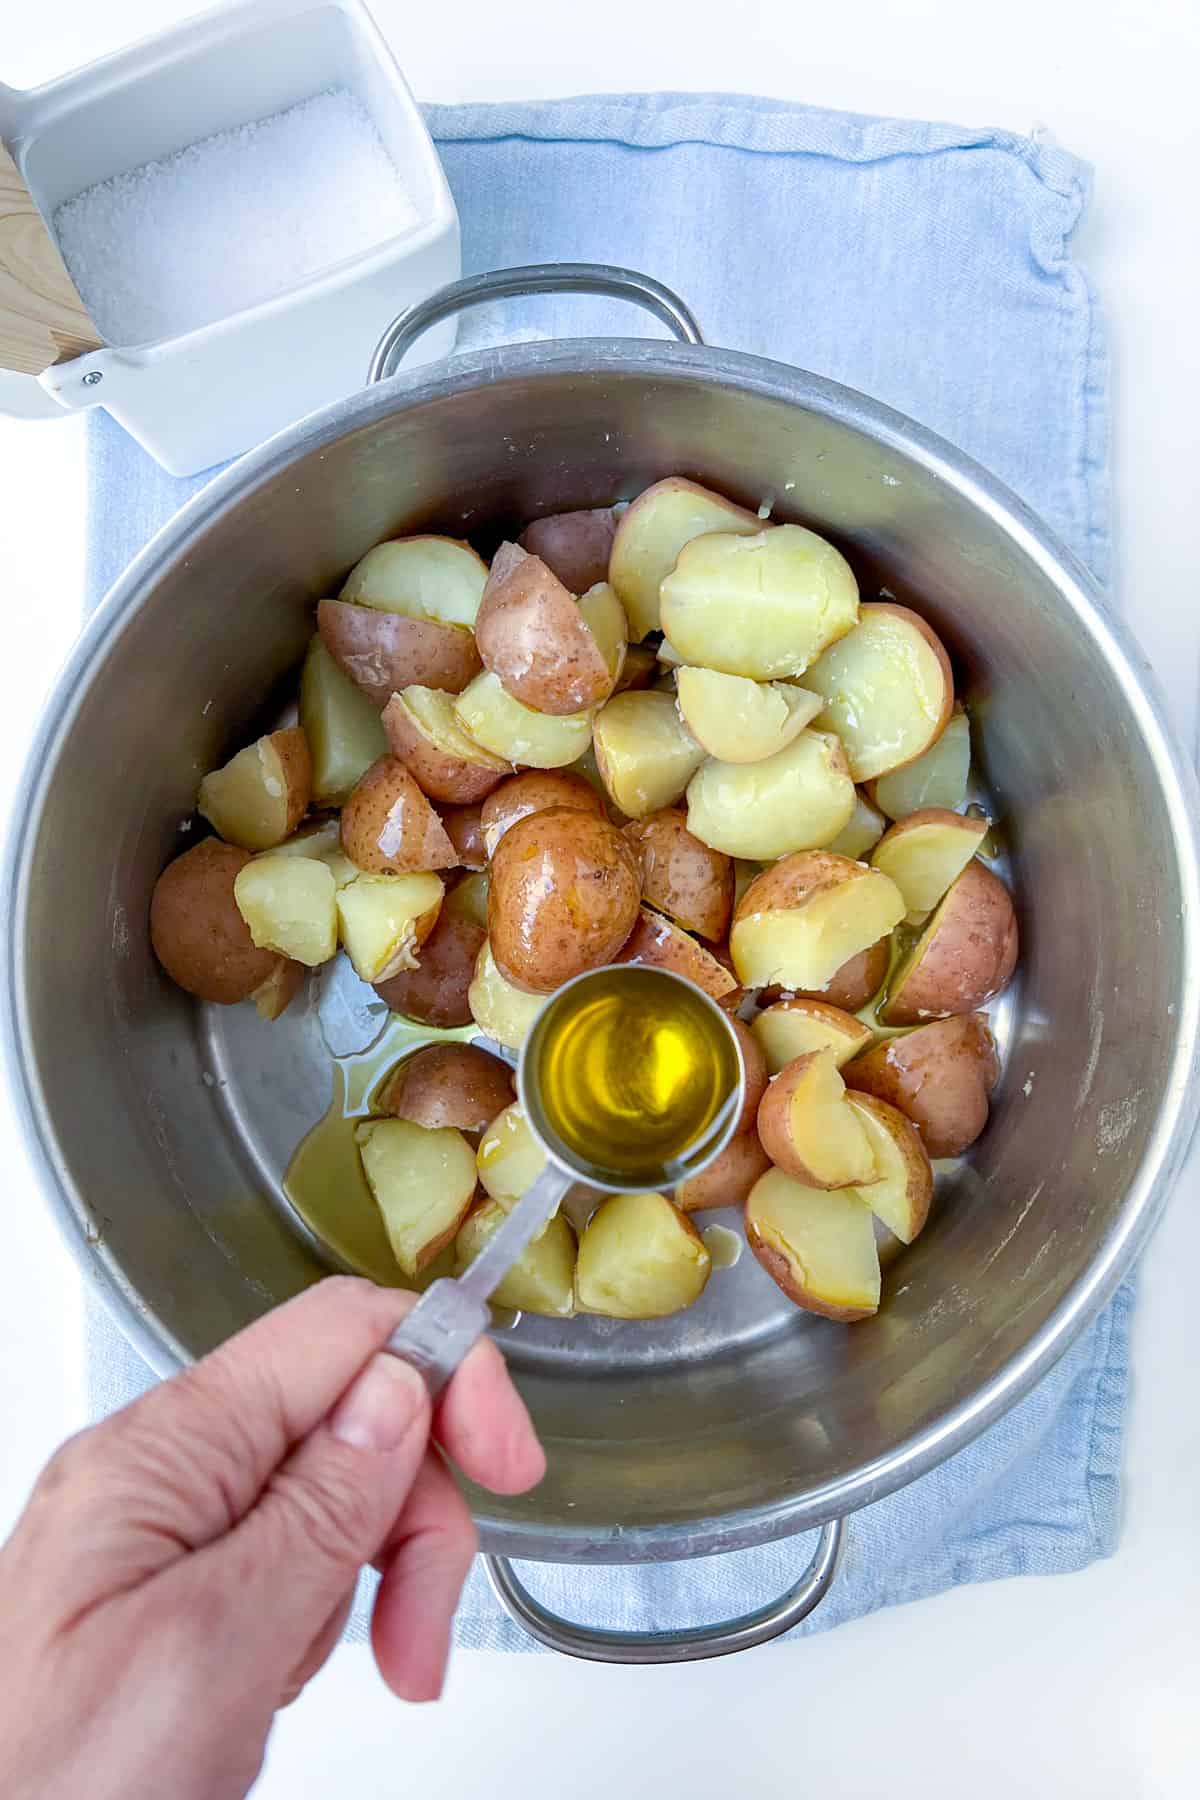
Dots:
pixel 966 955
pixel 681 876
pixel 532 636
pixel 441 775
pixel 456 1085
pixel 273 996
pixel 534 790
pixel 754 1065
pixel 658 943
pixel 383 652
pixel 727 1179
pixel 563 897
pixel 435 992
pixel 780 1271
pixel 638 670
pixel 773 1114
pixel 940 1076
pixel 796 879
pixel 463 825
pixel 850 987
pixel 198 934
pixel 575 546
pixel 388 826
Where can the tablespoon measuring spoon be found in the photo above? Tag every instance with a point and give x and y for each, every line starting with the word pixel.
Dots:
pixel 631 1080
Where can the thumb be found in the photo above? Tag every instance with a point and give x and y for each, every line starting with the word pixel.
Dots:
pixel 331 1505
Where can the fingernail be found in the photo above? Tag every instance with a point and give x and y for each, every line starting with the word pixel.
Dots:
pixel 379 1410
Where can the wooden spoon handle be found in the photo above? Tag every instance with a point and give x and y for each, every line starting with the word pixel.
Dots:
pixel 42 318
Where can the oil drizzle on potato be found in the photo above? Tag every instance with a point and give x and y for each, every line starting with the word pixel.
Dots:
pixel 324 1180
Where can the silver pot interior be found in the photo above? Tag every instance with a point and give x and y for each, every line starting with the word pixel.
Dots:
pixel 165 1130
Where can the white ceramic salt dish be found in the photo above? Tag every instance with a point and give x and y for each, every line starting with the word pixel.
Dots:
pixel 209 394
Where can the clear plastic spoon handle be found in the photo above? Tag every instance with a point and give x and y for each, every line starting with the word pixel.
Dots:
pixel 450 1315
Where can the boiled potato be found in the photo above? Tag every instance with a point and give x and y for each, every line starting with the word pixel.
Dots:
pixel 637 668
pixel 321 840
pixel 937 778
pixel 681 876
pixel 458 1085
pixel 199 935
pixel 862 830
pixel 422 729
pixel 640 1258
pixel 384 919
pixel 520 735
pixel 742 721
pixel 383 652
pixel 341 725
pixel 469 897
pixel 888 689
pixel 806 916
pixel 605 618
pixel 542 1280
pixel 563 897
pixel 927 851
pixel 463 825
pixel 437 991
pixel 534 638
pixel 808 1127
pixel 273 996
pixel 389 827
pixel 819 1247
pixel 965 955
pixel 434 578
pixel 939 1076
pixel 754 1072
pixel 728 1178
pixel 645 753
pixel 534 790
pixel 261 794
pixel 651 534
pixel 576 546
pixel 660 944
pixel 798 1025
pixel 798 799
pixel 902 1192
pixel 501 1011
pixel 765 606
pixel 289 904
pixel 858 980
pixel 509 1159
pixel 423 1183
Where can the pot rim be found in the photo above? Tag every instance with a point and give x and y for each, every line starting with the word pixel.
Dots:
pixel 922 1450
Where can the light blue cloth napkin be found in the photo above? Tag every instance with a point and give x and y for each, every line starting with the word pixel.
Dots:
pixel 928 265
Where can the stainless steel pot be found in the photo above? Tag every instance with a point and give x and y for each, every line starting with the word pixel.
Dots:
pixel 162 1129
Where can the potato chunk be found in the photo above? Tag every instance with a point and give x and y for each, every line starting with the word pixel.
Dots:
pixel 742 721
pixel 640 1258
pixel 422 578
pixel 644 751
pixel 798 799
pixel 289 905
pixel 887 687
pixel 384 919
pixel 542 1280
pixel 423 1183
pixel 818 1247
pixel 342 727
pixel 652 533
pixel 261 794
pixel 765 606
pixel 533 740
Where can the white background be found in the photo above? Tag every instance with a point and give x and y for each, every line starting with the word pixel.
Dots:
pixel 1083 1685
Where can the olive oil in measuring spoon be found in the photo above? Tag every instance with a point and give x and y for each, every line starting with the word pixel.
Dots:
pixel 632 1077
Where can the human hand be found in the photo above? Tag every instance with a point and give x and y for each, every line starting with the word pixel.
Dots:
pixel 184 1567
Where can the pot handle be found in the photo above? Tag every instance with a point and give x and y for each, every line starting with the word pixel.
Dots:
pixel 534 278
pixel 690 1643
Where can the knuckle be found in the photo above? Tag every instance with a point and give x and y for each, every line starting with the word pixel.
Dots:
pixel 326 1510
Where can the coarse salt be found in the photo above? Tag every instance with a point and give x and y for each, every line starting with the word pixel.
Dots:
pixel 232 220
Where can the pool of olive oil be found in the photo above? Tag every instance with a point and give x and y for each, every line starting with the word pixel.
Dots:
pixel 634 1075
pixel 324 1180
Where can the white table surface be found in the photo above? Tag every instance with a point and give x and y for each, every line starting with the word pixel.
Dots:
pixel 1076 1686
